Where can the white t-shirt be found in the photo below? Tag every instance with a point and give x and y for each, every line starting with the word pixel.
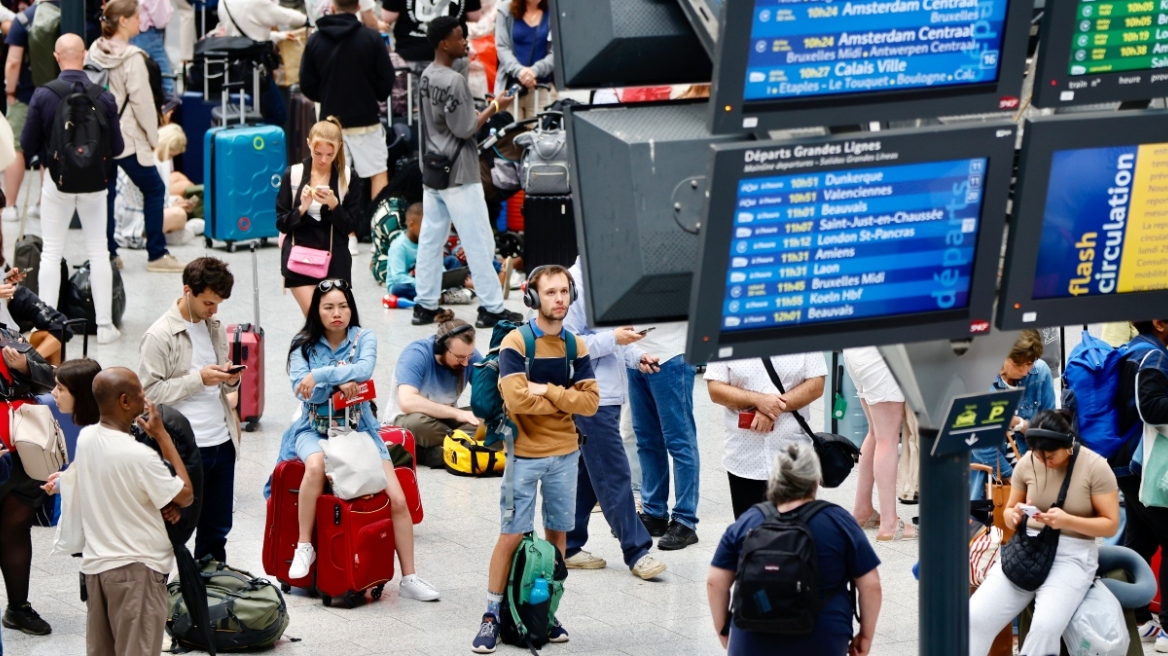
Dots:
pixel 122 486
pixel 748 454
pixel 204 410
pixel 666 341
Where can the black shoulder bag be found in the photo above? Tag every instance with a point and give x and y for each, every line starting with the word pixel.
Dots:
pixel 837 454
pixel 1026 560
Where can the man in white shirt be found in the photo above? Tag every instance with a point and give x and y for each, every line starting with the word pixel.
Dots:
pixel 184 363
pixel 750 398
pixel 123 488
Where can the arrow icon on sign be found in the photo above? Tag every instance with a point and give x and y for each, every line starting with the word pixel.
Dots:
pixel 971 440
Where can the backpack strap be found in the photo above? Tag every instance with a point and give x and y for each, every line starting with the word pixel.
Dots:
pixel 59 86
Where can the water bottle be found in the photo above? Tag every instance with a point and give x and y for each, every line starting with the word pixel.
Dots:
pixel 390 302
pixel 539 592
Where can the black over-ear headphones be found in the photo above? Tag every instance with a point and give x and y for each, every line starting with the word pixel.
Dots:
pixel 531 295
pixel 442 342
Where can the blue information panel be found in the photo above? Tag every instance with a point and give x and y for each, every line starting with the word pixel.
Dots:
pixel 850 244
pixel 808 48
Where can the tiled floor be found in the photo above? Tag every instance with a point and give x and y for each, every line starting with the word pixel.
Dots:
pixel 608 612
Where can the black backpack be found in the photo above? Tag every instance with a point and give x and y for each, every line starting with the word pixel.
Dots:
pixel 778 574
pixel 78 151
pixel 76 297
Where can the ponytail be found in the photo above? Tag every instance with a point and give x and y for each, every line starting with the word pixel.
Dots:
pixel 114 11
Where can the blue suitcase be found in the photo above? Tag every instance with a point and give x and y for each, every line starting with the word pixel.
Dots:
pixel 242 170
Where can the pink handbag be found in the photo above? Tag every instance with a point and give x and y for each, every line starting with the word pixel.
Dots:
pixel 310 262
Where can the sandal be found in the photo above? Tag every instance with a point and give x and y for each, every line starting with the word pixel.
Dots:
pixel 898 535
pixel 873 522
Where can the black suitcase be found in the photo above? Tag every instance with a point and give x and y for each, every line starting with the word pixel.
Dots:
pixel 549 231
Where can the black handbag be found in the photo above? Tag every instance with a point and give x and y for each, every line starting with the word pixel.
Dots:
pixel 1026 559
pixel 837 454
pixel 436 170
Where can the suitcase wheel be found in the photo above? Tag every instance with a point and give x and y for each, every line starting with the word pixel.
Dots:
pixel 375 593
pixel 252 425
pixel 285 588
pixel 326 600
pixel 263 241
pixel 230 247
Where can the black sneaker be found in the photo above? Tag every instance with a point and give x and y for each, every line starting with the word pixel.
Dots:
pixel 488 319
pixel 657 526
pixel 423 316
pixel 24 618
pixel 679 536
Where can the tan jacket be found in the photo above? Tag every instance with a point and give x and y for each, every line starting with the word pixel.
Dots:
pixel 164 365
pixel 129 81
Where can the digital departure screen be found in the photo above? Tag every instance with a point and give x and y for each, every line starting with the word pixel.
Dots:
pixel 823 47
pixel 1112 37
pixel 854 243
pixel 1105 224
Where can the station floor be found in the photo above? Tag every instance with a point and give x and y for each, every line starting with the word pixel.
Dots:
pixel 608 612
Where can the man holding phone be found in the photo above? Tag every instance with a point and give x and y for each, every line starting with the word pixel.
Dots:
pixel 185 364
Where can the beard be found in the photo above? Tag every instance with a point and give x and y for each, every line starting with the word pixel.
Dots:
pixel 553 313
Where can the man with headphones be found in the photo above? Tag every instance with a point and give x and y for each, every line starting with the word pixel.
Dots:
pixel 184 363
pixel 546 379
pixel 430 377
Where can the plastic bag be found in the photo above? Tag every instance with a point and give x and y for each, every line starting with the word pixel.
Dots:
pixel 1098 627
pixel 353 464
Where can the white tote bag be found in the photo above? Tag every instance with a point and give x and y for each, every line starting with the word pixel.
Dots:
pixel 70 536
pixel 39 440
pixel 352 463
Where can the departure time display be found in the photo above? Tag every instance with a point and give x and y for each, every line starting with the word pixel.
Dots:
pixel 809 48
pixel 1113 37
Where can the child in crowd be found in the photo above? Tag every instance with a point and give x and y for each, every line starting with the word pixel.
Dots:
pixel 403 257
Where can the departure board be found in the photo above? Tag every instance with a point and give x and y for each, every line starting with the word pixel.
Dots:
pixel 854 243
pixel 1105 224
pixel 809 48
pixel 1113 37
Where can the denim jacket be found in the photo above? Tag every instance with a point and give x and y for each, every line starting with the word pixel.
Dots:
pixel 1037 390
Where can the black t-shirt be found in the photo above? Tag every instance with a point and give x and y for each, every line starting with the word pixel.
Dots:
pixel 414 16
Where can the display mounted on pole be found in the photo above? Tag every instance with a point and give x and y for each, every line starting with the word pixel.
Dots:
pixel 976 420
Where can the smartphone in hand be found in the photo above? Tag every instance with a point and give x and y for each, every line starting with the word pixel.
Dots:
pixel 236 368
pixel 646 331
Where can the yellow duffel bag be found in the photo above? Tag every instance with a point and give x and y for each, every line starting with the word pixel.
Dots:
pixel 464 456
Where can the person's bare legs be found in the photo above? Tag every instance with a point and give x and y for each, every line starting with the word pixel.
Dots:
pixel 13 177
pixel 173 218
pixel 311 487
pixel 178 183
pixel 863 509
pixel 403 524
pixel 303 296
pixel 886 419
pixel 501 560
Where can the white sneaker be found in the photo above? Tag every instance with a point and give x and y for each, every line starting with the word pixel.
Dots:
pixel 353 250
pixel 648 567
pixel 9 214
pixel 196 226
pixel 179 237
pixel 517 279
pixel 457 296
pixel 1162 642
pixel 108 334
pixel 585 560
pixel 413 587
pixel 302 560
pixel 34 212
pixel 1149 630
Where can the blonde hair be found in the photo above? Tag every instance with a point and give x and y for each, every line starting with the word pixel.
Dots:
pixel 171 141
pixel 329 131
pixel 115 10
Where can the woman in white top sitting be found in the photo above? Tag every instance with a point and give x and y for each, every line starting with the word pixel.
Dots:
pixel 129 204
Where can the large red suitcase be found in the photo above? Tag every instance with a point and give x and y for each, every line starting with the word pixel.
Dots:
pixel 282 527
pixel 247 348
pixel 355 547
pixel 401 442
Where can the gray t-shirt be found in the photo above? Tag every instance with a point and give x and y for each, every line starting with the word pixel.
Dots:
pixel 449 120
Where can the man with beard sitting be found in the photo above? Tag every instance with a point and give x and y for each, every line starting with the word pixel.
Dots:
pixel 431 376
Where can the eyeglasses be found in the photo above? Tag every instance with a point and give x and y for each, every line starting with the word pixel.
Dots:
pixel 334 283
pixel 460 358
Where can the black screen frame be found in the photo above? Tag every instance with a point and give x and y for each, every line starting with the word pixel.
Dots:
pixel 1052 79
pixel 730 114
pixel 706 342
pixel 1042 137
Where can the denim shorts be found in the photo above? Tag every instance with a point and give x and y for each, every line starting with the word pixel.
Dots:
pixel 556 478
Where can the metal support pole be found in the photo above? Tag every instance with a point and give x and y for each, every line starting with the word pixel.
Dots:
pixel 944 551
pixel 73 17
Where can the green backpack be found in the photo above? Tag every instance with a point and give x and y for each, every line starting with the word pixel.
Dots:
pixel 523 623
pixel 246 612
pixel 42 40
pixel 389 221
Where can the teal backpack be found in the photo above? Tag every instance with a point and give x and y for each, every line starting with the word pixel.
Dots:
pixel 525 623
pixel 388 222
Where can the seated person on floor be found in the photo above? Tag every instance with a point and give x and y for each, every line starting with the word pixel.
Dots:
pixel 129 204
pixel 431 375
pixel 403 257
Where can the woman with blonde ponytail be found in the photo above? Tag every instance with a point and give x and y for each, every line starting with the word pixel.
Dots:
pixel 317 209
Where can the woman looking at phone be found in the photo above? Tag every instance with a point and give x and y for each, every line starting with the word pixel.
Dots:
pixel 315 212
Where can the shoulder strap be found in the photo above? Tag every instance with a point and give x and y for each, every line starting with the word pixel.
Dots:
pixel 774 375
pixel 232 19
pixel 808 510
pixel 570 355
pixel 59 87
pixel 1062 497
pixel 296 174
pixel 528 346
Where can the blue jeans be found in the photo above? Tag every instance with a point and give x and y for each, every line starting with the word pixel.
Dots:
pixel 465 207
pixel 404 290
pixel 153 41
pixel 604 476
pixel 272 105
pixel 154 192
pixel 218 501
pixel 663 419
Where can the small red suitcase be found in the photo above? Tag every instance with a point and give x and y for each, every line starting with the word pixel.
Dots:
pixel 247 348
pixel 355 547
pixel 282 527
pixel 1155 605
pixel 400 440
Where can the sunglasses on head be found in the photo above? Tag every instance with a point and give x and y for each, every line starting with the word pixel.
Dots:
pixel 333 283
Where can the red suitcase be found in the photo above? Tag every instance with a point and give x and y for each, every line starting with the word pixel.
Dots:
pixel 355 547
pixel 1155 605
pixel 247 348
pixel 282 528
pixel 401 442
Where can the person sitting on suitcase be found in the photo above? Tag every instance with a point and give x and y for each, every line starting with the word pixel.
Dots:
pixel 184 362
pixel 431 375
pixel 542 396
pixel 453 187
pixel 315 213
pixel 333 353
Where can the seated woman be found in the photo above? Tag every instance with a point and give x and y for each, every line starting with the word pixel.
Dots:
pixel 129 204
pixel 1091 510
pixel 333 353
pixel 844 555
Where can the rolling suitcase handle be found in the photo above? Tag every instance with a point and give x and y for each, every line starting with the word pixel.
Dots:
pixel 255 276
pixel 84 337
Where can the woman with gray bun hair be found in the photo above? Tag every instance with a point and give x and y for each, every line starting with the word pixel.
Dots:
pixel 844 555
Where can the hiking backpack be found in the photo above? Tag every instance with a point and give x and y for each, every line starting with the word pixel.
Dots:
pixel 388 222
pixel 246 612
pixel 42 40
pixel 777 587
pixel 78 151
pixel 1090 387
pixel 523 623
